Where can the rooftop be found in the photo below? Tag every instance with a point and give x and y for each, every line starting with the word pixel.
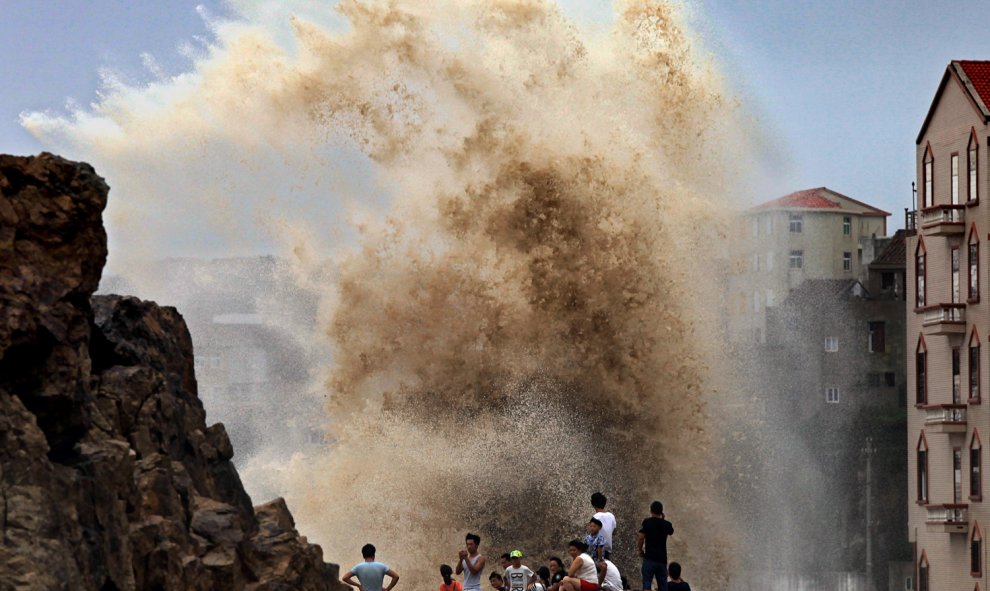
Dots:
pixel 817 198
pixel 895 253
pixel 978 72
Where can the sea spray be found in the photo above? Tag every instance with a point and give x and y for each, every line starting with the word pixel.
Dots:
pixel 524 304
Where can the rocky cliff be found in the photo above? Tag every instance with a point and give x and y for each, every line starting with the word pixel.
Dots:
pixel 110 478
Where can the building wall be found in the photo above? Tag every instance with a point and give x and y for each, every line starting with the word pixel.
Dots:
pixel 948 554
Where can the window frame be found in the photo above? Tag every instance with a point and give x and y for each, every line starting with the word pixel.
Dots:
pixel 973 266
pixel 973 169
pixel 795 220
pixel 832 395
pixel 847 225
pixel 921 470
pixel 920 275
pixel 954 178
pixel 847 262
pixel 974 349
pixel 836 341
pixel 976 537
pixel 876 339
pixel 799 257
pixel 922 577
pixel 927 177
pixel 921 373
pixel 975 468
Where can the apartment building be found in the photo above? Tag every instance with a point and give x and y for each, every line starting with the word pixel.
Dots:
pixel 810 234
pixel 948 321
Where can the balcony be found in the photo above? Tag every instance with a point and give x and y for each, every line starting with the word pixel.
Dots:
pixel 947 519
pixel 945 418
pixel 943 220
pixel 944 319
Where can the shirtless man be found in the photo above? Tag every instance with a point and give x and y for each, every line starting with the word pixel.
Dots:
pixel 471 563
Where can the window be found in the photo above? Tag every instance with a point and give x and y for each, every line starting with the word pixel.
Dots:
pixel 796 221
pixel 956 475
pixel 796 259
pixel 919 275
pixel 755 264
pixel 956 377
pixel 847 259
pixel 847 226
pixel 832 394
pixel 877 337
pixel 974 265
pixel 975 552
pixel 754 225
pixel 888 281
pixel 974 194
pixel 756 301
pixel 927 181
pixel 954 266
pixel 921 371
pixel 768 225
pixel 923 572
pixel 769 261
pixel 771 298
pixel 954 160
pixel 922 469
pixel 975 467
pixel 974 367
pixel 831 344
pixel 890 379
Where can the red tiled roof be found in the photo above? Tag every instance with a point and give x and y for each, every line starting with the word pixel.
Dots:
pixel 979 74
pixel 809 199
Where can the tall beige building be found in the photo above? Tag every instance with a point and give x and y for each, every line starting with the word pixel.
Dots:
pixel 810 234
pixel 948 322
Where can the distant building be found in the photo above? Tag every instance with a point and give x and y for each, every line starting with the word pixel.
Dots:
pixel 948 322
pixel 811 234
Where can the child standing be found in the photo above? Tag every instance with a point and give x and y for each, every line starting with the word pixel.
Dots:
pixel 518 576
pixel 449 584
pixel 595 540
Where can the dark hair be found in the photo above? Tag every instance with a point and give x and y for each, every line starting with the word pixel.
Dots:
pixel 505 556
pixel 368 551
pixel 578 544
pixel 446 572
pixel 557 560
pixel 656 507
pixel 598 500
pixel 675 570
pixel 544 574
pixel 475 537
pixel 596 522
pixel 494 576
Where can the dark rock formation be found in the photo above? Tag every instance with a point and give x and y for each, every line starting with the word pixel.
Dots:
pixel 109 477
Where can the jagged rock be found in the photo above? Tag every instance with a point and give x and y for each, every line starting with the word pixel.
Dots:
pixel 110 478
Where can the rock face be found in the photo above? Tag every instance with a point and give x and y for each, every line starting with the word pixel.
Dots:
pixel 109 477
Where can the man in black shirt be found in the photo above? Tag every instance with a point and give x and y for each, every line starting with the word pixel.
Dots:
pixel 676 583
pixel 652 544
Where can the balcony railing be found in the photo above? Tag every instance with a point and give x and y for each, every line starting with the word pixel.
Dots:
pixel 953 519
pixel 941 220
pixel 946 418
pixel 944 319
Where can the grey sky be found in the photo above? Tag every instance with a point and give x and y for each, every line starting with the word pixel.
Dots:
pixel 839 88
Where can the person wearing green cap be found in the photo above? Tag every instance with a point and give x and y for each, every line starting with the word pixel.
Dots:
pixel 518 576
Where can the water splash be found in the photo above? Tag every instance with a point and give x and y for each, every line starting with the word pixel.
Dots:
pixel 528 315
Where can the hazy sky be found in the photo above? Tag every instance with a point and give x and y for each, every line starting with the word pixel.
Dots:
pixel 839 88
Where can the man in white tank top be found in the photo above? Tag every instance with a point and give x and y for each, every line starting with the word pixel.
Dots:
pixel 471 563
pixel 582 574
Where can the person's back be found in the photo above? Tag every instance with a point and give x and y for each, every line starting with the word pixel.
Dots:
pixel 371 575
pixel 612 581
pixel 652 545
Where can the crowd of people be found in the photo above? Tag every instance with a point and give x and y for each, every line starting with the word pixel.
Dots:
pixel 590 568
